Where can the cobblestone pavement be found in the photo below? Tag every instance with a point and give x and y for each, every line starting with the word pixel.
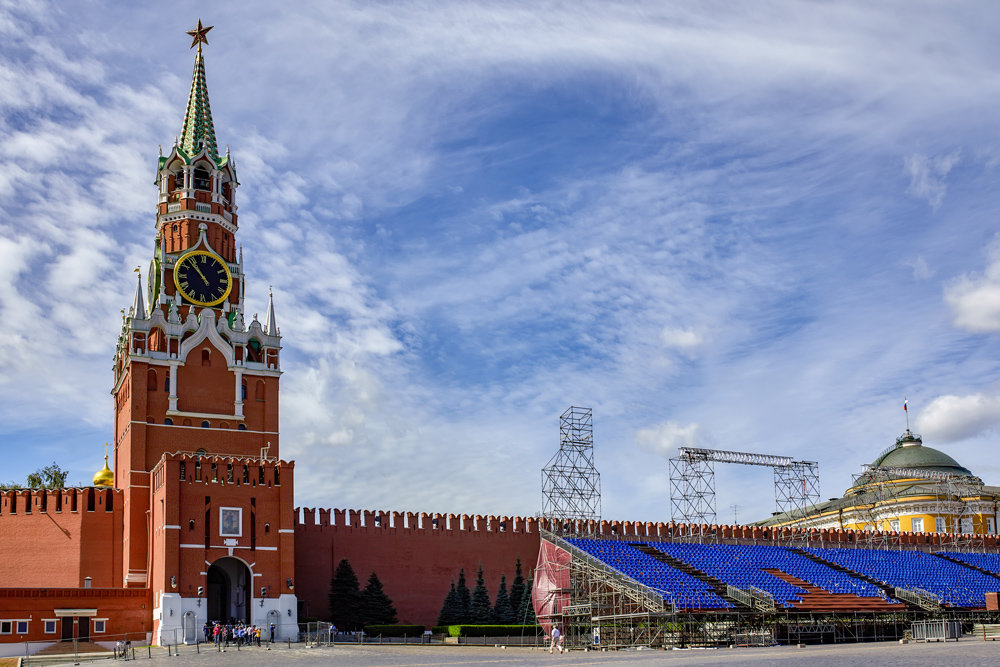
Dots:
pixel 965 652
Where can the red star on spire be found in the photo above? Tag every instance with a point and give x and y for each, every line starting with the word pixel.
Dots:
pixel 198 35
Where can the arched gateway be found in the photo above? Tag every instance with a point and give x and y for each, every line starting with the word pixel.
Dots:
pixel 229 590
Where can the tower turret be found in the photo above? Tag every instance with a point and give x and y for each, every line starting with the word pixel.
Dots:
pixel 192 380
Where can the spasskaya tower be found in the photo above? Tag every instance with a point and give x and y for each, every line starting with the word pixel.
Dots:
pixel 207 501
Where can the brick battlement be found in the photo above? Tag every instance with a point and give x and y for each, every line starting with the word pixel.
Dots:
pixel 313 520
pixel 221 469
pixel 42 501
pixel 310 519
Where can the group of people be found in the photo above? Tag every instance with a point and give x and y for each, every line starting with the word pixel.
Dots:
pixel 240 634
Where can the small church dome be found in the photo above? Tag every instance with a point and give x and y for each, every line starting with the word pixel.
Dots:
pixel 105 476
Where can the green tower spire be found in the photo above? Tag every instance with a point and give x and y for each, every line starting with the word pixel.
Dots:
pixel 198 130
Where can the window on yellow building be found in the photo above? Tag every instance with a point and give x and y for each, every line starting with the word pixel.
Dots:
pixel 917 525
pixel 939 525
pixel 991 525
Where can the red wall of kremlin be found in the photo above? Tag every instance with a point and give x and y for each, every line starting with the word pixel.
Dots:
pixel 74 544
pixel 125 611
pixel 415 562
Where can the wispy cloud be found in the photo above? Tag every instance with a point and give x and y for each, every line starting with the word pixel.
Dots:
pixel 667 437
pixel 928 174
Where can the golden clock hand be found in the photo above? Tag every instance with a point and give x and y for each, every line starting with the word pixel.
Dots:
pixel 194 265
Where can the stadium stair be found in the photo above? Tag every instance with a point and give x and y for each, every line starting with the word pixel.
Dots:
pixel 857 575
pixel 968 565
pixel 718 586
pixel 819 599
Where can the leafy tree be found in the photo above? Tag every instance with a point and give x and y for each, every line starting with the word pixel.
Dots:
pixel 517 588
pixel 480 611
pixel 502 611
pixel 376 606
pixel 345 597
pixel 49 477
pixel 464 598
pixel 451 612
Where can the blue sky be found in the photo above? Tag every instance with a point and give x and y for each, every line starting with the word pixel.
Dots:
pixel 752 226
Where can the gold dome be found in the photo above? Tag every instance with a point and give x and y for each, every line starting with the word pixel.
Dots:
pixel 105 476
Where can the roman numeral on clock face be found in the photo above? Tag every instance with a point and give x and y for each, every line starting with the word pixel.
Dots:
pixel 202 278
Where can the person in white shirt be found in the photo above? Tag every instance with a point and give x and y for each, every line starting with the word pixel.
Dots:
pixel 556 639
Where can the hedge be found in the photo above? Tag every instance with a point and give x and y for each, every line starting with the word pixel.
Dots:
pixel 394 630
pixel 488 630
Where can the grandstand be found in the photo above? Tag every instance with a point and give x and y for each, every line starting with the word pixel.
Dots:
pixel 624 590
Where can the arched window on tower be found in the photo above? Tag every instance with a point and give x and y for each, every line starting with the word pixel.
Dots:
pixel 253 350
pixel 151 383
pixel 202 179
pixel 178 180
pixel 243 389
pixel 206 357
pixel 157 340
pixel 259 391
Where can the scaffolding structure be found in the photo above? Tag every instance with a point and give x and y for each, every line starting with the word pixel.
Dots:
pixel 604 607
pixel 692 483
pixel 597 607
pixel 884 489
pixel 571 484
pixel 876 506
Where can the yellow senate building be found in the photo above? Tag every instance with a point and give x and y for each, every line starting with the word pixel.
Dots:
pixel 908 488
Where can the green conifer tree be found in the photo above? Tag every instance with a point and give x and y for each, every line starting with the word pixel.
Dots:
pixel 464 599
pixel 451 612
pixel 345 598
pixel 480 611
pixel 526 614
pixel 517 588
pixel 503 613
pixel 376 606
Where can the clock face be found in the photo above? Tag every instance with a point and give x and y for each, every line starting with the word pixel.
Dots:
pixel 202 278
pixel 153 279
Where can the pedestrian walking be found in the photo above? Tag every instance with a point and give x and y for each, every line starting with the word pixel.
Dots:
pixel 556 639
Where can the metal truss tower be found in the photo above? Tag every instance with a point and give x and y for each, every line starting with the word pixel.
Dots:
pixel 692 483
pixel 571 485
pixel 692 489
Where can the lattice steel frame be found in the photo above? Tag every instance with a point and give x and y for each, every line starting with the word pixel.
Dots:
pixel 624 612
pixel 571 485
pixel 692 489
pixel 882 496
pixel 692 482
pixel 875 506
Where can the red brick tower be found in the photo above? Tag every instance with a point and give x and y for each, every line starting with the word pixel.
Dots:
pixel 207 503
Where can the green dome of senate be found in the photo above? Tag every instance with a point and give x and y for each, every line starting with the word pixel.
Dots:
pixel 910 452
